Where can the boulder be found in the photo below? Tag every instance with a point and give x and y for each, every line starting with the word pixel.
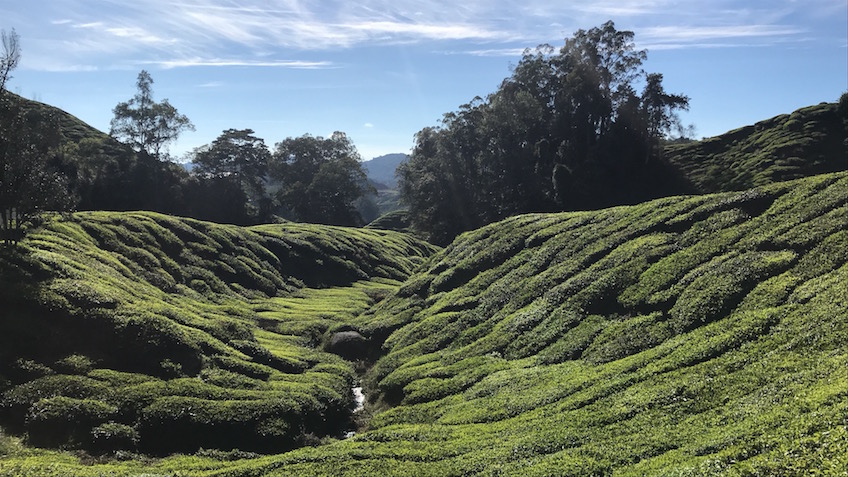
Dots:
pixel 349 345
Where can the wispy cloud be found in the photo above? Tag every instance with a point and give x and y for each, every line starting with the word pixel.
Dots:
pixel 699 33
pixel 217 62
pixel 175 34
pixel 677 37
pixel 211 84
pixel 494 52
pixel 625 8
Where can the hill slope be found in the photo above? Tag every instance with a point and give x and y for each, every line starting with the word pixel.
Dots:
pixel 809 141
pixel 682 334
pixel 72 128
pixel 138 330
pixel 692 336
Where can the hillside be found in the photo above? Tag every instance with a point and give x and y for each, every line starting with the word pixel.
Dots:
pixel 687 336
pixel 143 331
pixel 72 128
pixel 809 141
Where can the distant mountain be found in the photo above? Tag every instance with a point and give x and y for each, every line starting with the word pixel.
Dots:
pixel 382 169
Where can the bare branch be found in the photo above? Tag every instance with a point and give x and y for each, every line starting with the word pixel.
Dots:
pixel 10 56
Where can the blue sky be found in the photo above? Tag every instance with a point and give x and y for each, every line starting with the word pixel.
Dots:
pixel 380 70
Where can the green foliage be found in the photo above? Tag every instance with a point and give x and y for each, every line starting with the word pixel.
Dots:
pixel 622 327
pixel 685 336
pixel 144 124
pixel 63 421
pixel 397 220
pixel 236 161
pixel 806 142
pixel 320 179
pixel 108 345
pixel 111 436
pixel 29 181
pixel 566 131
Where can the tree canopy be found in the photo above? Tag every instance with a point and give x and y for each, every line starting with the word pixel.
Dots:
pixel 233 173
pixel 319 178
pixel 567 130
pixel 144 124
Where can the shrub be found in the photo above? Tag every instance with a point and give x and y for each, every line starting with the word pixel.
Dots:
pixel 147 340
pixel 66 422
pixel 74 364
pixel 246 368
pixel 19 400
pixel 111 436
pixel 187 424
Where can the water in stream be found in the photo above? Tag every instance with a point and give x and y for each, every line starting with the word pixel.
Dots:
pixel 359 403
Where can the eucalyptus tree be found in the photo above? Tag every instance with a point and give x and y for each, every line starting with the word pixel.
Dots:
pixel 567 129
pixel 146 125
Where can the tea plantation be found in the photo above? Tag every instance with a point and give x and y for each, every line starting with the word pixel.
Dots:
pixel 142 332
pixel 806 142
pixel 687 336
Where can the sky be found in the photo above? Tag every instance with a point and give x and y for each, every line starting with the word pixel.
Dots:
pixel 381 70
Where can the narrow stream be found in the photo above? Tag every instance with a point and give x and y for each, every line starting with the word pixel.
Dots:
pixel 359 404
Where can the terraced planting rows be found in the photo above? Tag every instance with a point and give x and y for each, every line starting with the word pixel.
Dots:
pixel 139 331
pixel 806 142
pixel 687 336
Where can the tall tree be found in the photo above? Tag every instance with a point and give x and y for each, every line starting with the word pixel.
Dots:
pixel 144 124
pixel 566 130
pixel 659 109
pixel 319 179
pixel 237 161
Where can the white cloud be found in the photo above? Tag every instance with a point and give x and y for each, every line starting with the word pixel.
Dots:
pixel 456 31
pixel 368 125
pixel 510 52
pixel 618 9
pixel 699 33
pixel 174 34
pixel 193 62
pixel 680 37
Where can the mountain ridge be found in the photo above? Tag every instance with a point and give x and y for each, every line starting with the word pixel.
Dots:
pixel 381 169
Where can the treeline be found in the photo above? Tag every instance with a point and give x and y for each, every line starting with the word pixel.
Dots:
pixel 235 179
pixel 581 127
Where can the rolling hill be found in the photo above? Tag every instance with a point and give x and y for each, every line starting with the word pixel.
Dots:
pixel 143 331
pixel 809 141
pixel 692 335
pixel 695 335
